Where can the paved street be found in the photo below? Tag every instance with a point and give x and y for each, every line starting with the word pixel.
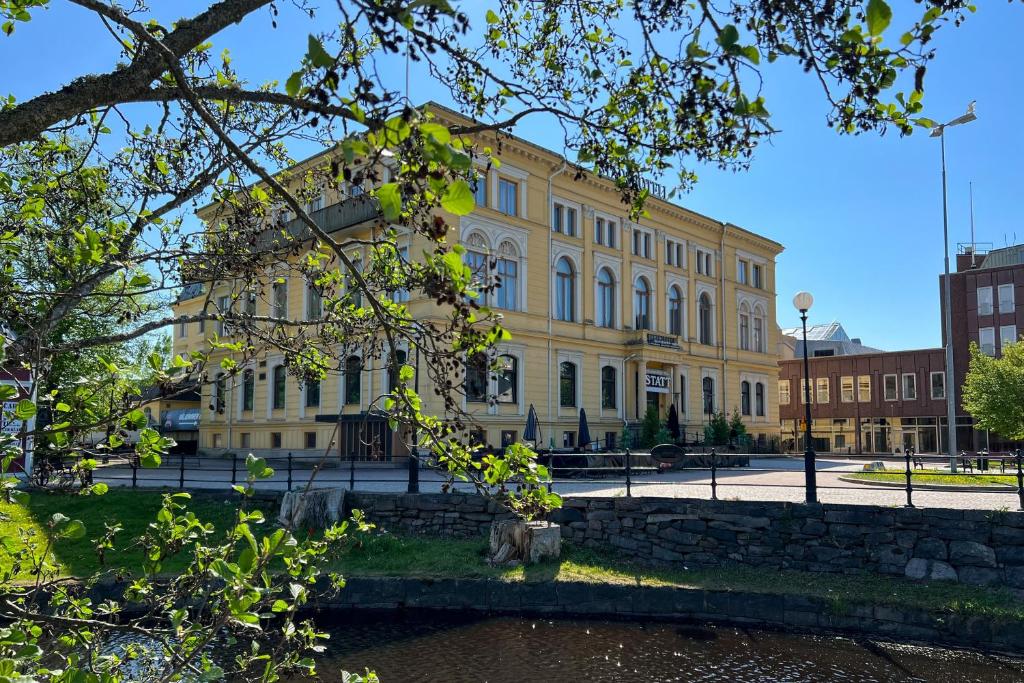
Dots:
pixel 766 479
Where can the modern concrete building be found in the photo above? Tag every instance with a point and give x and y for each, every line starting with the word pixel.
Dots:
pixel 606 313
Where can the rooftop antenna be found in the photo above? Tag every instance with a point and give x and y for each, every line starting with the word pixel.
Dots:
pixel 974 246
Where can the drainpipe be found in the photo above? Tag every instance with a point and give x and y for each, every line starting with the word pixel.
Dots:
pixel 725 358
pixel 551 313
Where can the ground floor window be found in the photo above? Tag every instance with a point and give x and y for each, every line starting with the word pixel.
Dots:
pixel 569 439
pixel 508 437
pixel 310 439
pixel 275 439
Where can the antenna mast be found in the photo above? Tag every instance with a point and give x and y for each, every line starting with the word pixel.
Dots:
pixel 974 246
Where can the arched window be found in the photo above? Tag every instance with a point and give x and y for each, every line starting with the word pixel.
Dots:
pixel 675 310
pixel 704 318
pixel 353 380
pixel 394 369
pixel 313 394
pixel 605 298
pixel 508 379
pixel 745 397
pixel 565 290
pixel 642 304
pixel 759 399
pixel 759 342
pixel 279 389
pixel 248 389
pixel 476 259
pixel 608 388
pixel 708 390
pixel 476 378
pixel 567 385
pixel 507 269
pixel 744 327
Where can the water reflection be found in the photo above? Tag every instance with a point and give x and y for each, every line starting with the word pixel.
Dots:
pixel 418 646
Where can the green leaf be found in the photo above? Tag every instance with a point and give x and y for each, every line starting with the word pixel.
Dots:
pixel 440 133
pixel 293 84
pixel 25 409
pixel 317 54
pixel 390 201
pixel 728 36
pixel 161 165
pixel 7 392
pixel 458 198
pixel 140 280
pixel 72 530
pixel 492 18
pixel 879 14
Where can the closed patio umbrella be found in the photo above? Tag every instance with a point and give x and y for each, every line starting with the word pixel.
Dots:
pixel 583 437
pixel 673 422
pixel 532 431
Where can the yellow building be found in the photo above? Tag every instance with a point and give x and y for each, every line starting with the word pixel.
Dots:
pixel 605 313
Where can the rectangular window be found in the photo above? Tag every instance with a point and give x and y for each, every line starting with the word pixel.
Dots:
pixel 1007 335
pixel 909 386
pixel 604 232
pixel 310 439
pixel 758 276
pixel 741 272
pixel 183 329
pixel 803 392
pixel 864 389
pixel 314 303
pixel 846 389
pixel 570 221
pixel 557 217
pixel 218 440
pixel 250 303
pixel 275 439
pixel 508 197
pixel 938 384
pixel 245 440
pixel 568 439
pixel 312 394
pixel 984 301
pixel 508 437
pixel 704 262
pixel 890 389
pixel 641 243
pixel 822 394
pixel 280 295
pixel 315 204
pixel 223 307
pixel 674 253
pixel 784 392
pixel 987 340
pixel 480 191
pixel 1006 299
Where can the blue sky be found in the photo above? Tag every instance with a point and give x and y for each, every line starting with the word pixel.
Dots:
pixel 861 217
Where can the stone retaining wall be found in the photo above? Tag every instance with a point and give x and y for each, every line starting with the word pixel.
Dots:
pixel 969 546
pixel 576 599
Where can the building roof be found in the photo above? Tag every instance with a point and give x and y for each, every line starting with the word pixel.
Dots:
pixel 190 291
pixel 1007 256
pixel 826 337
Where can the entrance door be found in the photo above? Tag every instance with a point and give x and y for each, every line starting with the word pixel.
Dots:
pixel 654 401
pixel 910 440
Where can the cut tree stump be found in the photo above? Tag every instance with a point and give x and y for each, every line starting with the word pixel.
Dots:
pixel 517 542
pixel 316 509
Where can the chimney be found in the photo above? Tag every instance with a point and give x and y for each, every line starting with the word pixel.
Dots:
pixel 856 340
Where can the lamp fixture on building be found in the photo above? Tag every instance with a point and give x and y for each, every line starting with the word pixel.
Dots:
pixel 803 301
pixel 940 133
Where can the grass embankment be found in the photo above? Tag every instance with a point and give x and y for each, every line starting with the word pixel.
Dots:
pixel 938 478
pixel 381 554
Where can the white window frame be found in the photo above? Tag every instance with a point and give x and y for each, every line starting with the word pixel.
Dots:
pixel 985 302
pixel 847 382
pixel 612 230
pixel 494 234
pixel 675 253
pixel 517 188
pixel 931 385
pixel 1007 335
pixel 989 332
pixel 804 393
pixel 620 386
pixel 642 243
pixel 742 271
pixel 861 386
pixel 757 275
pixel 822 388
pixel 576 358
pixel 909 385
pixel 896 387
pixel 784 392
pixel 1010 301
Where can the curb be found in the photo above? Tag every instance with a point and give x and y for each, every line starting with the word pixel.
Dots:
pixel 994 488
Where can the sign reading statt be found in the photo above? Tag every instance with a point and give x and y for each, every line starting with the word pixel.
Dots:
pixel 658 382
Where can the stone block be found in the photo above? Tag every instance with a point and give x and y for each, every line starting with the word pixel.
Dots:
pixel 971 553
pixel 680 537
pixel 979 576
pixel 931 549
pixel 1008 535
pixel 941 571
pixel 917 569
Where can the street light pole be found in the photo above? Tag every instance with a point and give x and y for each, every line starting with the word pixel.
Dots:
pixel 802 301
pixel 940 132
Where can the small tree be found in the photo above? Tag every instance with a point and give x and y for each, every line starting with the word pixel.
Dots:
pixel 716 432
pixel 650 427
pixel 993 391
pixel 737 430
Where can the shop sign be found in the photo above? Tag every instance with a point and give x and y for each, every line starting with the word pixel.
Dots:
pixel 658 382
pixel 663 341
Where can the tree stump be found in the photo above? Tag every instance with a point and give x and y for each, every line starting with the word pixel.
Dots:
pixel 317 509
pixel 516 542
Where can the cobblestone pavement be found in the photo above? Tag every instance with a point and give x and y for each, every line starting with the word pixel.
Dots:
pixel 767 479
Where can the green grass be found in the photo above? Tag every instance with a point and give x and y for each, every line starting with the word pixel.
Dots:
pixel 390 555
pixel 938 477
pixel 383 554
pixel 134 510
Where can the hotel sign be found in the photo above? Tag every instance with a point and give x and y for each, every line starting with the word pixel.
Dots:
pixel 654 188
pixel 658 382
pixel 664 341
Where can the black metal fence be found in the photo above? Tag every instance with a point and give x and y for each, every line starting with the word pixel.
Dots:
pixel 627 473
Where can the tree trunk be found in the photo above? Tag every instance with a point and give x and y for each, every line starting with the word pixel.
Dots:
pixel 517 542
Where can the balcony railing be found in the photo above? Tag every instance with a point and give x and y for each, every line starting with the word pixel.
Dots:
pixel 663 341
pixel 336 217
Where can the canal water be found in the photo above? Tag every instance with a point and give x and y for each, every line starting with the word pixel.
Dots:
pixel 422 646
